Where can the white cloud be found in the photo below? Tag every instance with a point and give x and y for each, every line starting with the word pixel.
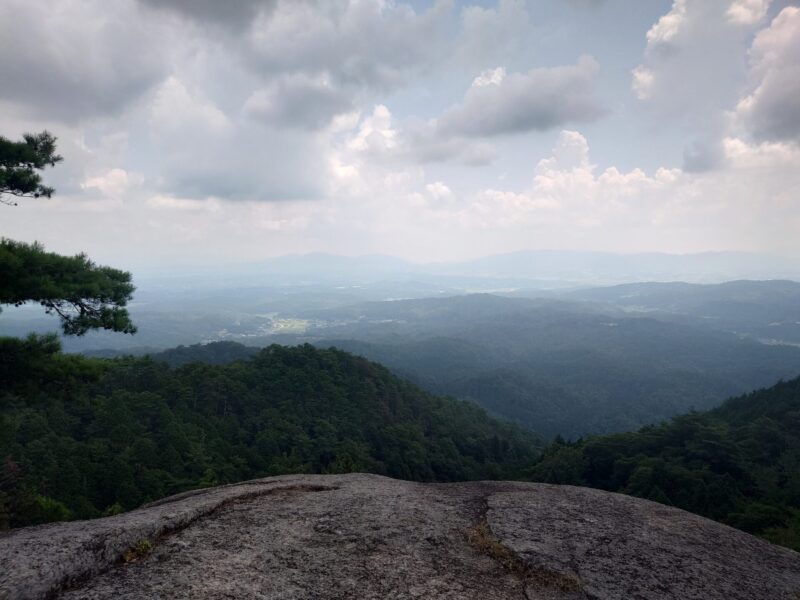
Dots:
pixel 164 202
pixel 490 77
pixel 114 183
pixel 643 82
pixel 376 133
pixel 748 12
pixel 439 192
pixel 753 203
pixel 377 138
pixel 668 26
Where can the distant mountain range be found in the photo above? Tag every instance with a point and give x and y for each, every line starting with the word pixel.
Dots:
pixel 553 267
pixel 574 362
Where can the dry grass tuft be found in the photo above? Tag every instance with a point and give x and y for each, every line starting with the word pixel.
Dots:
pixel 137 552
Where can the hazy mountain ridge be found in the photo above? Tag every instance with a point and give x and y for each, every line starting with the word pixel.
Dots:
pixel 558 367
pixel 589 360
pixel 766 310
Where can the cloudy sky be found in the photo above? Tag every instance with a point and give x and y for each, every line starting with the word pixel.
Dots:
pixel 207 131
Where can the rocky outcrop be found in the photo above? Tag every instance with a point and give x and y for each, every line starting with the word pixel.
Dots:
pixel 364 536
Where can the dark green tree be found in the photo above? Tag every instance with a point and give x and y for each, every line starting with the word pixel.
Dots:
pixel 84 295
pixel 19 163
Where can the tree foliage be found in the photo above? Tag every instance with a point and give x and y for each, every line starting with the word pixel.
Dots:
pixel 19 163
pixel 84 295
pixel 85 437
pixel 739 464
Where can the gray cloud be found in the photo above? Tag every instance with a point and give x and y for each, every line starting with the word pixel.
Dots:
pixel 422 143
pixel 693 64
pixel 363 44
pixel 774 113
pixel 234 13
pixel 247 163
pixel 72 64
pixel 587 3
pixel 538 100
pixel 703 156
pixel 298 101
pixel 772 110
pixel 203 152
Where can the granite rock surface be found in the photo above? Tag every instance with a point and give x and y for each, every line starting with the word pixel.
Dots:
pixel 365 536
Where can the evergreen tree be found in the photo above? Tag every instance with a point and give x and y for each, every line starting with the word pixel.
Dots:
pixel 84 295
pixel 19 163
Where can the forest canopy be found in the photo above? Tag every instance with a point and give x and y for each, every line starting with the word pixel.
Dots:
pixel 85 437
pixel 739 463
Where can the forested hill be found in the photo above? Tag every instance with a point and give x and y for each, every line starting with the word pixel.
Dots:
pixel 82 437
pixel 739 463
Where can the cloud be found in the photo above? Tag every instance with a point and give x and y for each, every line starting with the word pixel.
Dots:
pixel 204 153
pixel 237 14
pixel 174 108
pixel 748 12
pixel 490 77
pixel 298 101
pixel 486 33
pixel 376 45
pixel 499 104
pixel 693 59
pixel 643 82
pixel 378 139
pixel 67 60
pixel 771 111
pixel 668 26
pixel 702 156
pixel 496 104
pixel 570 203
pixel 114 183
pixel 424 143
pixel 693 66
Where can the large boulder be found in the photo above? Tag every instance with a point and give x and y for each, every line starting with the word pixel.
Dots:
pixel 364 536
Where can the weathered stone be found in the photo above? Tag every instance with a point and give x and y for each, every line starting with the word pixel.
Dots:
pixel 363 536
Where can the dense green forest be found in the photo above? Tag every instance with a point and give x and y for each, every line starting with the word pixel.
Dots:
pixel 739 463
pixel 82 437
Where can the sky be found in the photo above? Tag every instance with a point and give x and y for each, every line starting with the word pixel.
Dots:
pixel 198 131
